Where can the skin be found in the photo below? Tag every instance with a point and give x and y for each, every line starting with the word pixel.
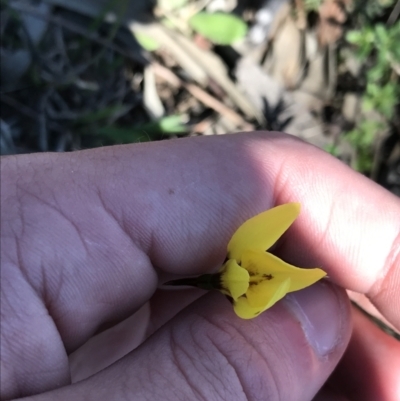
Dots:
pixel 86 236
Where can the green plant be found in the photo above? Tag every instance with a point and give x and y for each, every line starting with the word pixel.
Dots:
pixel 378 51
pixel 312 5
pixel 362 139
pixel 220 28
pixel 163 128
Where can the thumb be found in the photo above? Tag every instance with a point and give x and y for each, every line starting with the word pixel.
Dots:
pixel 207 353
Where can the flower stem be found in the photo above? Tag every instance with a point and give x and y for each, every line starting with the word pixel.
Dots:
pixel 205 281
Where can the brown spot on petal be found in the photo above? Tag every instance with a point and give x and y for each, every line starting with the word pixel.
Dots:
pixel 268 276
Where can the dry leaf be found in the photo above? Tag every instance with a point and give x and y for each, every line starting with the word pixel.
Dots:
pixel 332 16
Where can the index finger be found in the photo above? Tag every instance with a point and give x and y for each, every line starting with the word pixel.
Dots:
pixel 349 225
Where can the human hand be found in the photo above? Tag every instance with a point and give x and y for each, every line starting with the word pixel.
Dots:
pixel 85 236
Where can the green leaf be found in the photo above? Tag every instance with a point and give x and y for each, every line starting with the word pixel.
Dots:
pixel 166 126
pixel 332 149
pixel 378 72
pixel 368 104
pixel 147 42
pixel 354 37
pixel 220 28
pixel 312 5
pixel 172 125
pixel 382 98
pixel 381 33
pixel 363 40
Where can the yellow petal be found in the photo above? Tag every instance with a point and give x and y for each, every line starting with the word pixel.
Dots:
pixel 234 279
pixel 262 231
pixel 245 310
pixel 264 264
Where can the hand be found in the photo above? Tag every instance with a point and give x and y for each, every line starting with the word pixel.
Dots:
pixel 86 235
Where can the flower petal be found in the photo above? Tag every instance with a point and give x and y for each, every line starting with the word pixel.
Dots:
pixel 234 279
pixel 245 310
pixel 260 232
pixel 264 264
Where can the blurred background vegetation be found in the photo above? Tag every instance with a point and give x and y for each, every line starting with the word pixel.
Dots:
pixel 78 74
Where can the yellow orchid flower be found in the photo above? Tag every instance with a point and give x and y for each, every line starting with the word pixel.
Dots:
pixel 251 277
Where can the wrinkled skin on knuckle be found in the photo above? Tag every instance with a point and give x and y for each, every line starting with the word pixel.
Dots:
pixel 225 360
pixel 26 324
pixel 263 358
pixel 197 359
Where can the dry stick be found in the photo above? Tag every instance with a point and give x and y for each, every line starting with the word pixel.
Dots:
pixel 15 104
pixel 202 96
pixel 27 111
pixel 30 113
pixel 202 126
pixel 394 14
pixel 43 140
pixel 301 14
pixel 219 107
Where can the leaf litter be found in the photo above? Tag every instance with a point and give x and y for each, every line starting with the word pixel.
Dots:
pixel 85 73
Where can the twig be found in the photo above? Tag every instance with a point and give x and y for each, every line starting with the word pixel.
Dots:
pixel 202 96
pixel 27 111
pixel 43 140
pixel 394 14
pixel 301 14
pixel 178 23
pixel 378 157
pixel 15 104
pixel 65 139
pixel 219 107
pixel 202 126
pixel 7 146
pixel 381 324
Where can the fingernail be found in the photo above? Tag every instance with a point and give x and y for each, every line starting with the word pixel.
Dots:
pixel 319 311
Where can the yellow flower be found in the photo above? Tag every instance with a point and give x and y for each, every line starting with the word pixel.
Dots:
pixel 251 277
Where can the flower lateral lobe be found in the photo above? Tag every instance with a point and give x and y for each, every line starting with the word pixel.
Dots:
pixel 263 266
pixel 259 298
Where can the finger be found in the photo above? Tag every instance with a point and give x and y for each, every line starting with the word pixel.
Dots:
pixel 207 353
pixel 165 304
pixel 105 348
pixel 349 225
pixel 370 368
